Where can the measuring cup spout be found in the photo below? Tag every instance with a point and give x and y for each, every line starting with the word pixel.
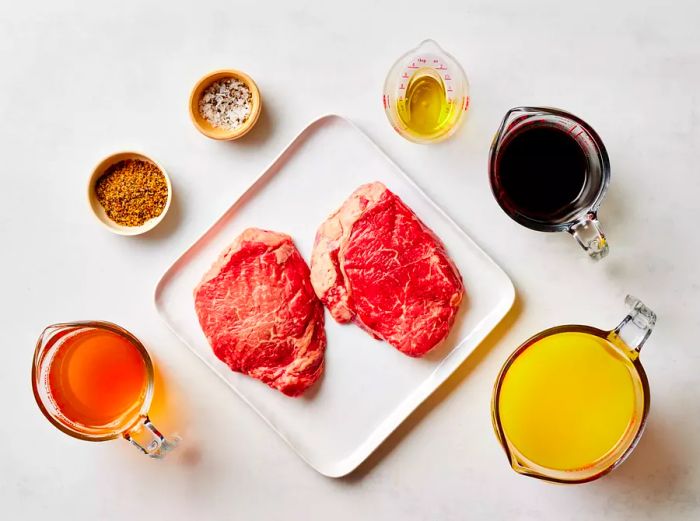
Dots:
pixel 429 45
pixel 512 117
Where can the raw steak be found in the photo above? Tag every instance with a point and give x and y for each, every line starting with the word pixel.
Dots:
pixel 259 312
pixel 374 262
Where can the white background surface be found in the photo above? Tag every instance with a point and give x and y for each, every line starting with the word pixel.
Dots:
pixel 80 80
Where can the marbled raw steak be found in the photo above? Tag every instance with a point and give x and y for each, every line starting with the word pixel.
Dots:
pixel 375 263
pixel 259 312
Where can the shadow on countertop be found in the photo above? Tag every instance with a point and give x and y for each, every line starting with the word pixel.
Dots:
pixel 462 372
pixel 261 131
pixel 657 475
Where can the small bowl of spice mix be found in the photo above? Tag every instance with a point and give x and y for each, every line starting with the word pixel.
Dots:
pixel 129 193
pixel 225 104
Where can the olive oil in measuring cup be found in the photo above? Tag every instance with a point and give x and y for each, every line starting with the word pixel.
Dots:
pixel 426 94
pixel 425 110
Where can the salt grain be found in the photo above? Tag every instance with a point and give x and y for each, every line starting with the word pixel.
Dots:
pixel 226 103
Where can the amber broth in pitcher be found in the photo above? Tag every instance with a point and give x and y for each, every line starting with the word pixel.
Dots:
pixel 97 378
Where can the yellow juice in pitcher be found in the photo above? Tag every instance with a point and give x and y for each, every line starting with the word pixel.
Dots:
pixel 569 400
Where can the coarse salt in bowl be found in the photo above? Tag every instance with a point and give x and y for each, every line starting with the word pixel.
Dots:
pixel 218 103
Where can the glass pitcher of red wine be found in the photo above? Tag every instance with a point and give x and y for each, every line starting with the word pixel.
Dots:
pixel 549 171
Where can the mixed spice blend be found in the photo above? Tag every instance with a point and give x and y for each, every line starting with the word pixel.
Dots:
pixel 132 192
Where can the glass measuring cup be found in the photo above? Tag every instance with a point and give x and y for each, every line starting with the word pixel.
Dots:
pixel 426 94
pixel 578 212
pixel 94 381
pixel 551 433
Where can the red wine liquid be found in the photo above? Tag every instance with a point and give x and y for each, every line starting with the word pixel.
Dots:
pixel 541 172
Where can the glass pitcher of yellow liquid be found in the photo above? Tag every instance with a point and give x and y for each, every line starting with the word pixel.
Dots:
pixel 570 404
pixel 426 94
pixel 94 381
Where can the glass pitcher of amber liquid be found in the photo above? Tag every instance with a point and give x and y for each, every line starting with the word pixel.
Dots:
pixel 570 404
pixel 94 381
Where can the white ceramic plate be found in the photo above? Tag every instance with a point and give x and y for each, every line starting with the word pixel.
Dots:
pixel 368 387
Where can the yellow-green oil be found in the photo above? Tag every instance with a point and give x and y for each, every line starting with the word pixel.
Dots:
pixel 425 110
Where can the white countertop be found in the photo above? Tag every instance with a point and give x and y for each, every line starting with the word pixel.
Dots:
pixel 80 80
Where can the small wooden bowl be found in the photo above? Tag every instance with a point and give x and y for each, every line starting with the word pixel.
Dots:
pixel 220 133
pixel 99 212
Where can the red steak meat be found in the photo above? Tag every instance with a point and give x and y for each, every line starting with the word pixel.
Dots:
pixel 375 263
pixel 259 312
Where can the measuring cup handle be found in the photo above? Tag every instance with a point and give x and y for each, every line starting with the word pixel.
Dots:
pixel 588 234
pixel 145 437
pixel 637 326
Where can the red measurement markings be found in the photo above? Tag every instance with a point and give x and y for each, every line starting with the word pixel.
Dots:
pixel 402 87
pixel 447 77
pixel 405 75
pixel 412 66
pixel 385 101
pixel 466 104
pixel 422 60
pixel 442 67
pixel 574 128
pixel 449 89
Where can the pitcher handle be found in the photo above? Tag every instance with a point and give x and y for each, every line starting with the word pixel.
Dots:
pixel 636 327
pixel 145 437
pixel 589 235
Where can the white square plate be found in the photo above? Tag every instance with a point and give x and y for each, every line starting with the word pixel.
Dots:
pixel 368 387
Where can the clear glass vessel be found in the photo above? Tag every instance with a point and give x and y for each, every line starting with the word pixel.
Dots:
pixel 580 218
pixel 626 340
pixel 134 425
pixel 426 94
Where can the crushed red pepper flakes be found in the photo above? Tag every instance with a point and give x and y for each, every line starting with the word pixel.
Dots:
pixel 132 191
